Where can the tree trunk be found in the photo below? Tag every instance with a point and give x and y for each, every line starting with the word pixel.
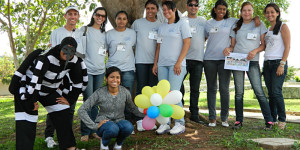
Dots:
pixel 134 8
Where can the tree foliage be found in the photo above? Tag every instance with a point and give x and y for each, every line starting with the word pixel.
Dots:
pixel 234 7
pixel 29 23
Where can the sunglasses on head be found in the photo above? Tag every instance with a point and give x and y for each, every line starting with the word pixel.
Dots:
pixel 191 5
pixel 99 15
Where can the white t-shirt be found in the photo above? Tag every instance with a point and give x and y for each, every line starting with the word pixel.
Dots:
pixel 274 45
pixel 120 49
pixel 217 33
pixel 146 42
pixel 243 43
pixel 95 51
pixel 172 36
pixel 197 26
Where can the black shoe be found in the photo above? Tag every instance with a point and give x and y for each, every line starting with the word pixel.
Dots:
pixel 269 126
pixel 197 120
pixel 237 125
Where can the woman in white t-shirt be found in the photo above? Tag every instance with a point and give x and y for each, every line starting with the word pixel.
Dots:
pixel 248 39
pixel 174 39
pixel 94 60
pixel 277 50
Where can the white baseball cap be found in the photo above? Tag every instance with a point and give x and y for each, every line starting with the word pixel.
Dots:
pixel 71 7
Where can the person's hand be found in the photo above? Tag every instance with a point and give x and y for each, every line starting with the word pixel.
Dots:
pixel 227 51
pixel 251 54
pixel 101 123
pixel 154 69
pixel 280 71
pixel 36 106
pixel 177 68
pixel 62 100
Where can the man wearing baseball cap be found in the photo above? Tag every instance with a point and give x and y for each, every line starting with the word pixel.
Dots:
pixel 44 77
pixel 68 30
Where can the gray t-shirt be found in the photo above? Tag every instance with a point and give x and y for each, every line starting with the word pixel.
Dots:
pixel 217 33
pixel 111 107
pixel 172 36
pixel 59 34
pixel 197 26
pixel 95 51
pixel 120 49
pixel 243 43
pixel 145 43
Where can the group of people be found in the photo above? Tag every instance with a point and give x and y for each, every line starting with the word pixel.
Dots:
pixel 167 46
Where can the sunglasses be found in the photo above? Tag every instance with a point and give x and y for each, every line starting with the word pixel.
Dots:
pixel 191 5
pixel 99 15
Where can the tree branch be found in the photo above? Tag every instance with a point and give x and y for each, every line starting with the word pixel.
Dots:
pixel 28 30
pixel 11 38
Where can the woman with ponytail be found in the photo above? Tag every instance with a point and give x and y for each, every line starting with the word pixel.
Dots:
pixel 94 60
pixel 275 67
pixel 246 38
pixel 174 39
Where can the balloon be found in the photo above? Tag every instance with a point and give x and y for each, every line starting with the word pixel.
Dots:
pixel 145 111
pixel 162 120
pixel 178 112
pixel 154 88
pixel 142 101
pixel 141 110
pixel 152 112
pixel 165 110
pixel 148 123
pixel 147 90
pixel 174 97
pixel 163 88
pixel 156 99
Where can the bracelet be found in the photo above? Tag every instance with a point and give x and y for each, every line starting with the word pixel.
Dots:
pixel 282 65
pixel 283 62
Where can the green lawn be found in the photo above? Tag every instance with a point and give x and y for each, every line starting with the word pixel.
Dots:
pixel 250 102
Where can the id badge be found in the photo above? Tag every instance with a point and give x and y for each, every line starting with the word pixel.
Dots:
pixel 193 29
pixel 121 47
pixel 152 35
pixel 102 50
pixel 214 30
pixel 251 36
pixel 159 40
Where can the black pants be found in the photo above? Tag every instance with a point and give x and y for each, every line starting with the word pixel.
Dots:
pixel 49 131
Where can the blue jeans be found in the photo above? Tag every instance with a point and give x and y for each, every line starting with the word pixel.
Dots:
pixel 166 72
pixel 120 130
pixel 144 77
pixel 254 76
pixel 195 68
pixel 274 85
pixel 214 69
pixel 94 82
pixel 128 82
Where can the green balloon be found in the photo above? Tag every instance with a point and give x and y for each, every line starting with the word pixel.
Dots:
pixel 165 110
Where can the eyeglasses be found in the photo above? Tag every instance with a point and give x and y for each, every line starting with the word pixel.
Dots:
pixel 191 5
pixel 99 15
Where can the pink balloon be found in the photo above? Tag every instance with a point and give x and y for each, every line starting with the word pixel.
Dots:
pixel 148 123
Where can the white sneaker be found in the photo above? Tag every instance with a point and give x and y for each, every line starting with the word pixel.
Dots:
pixel 177 129
pixel 212 124
pixel 164 128
pixel 225 124
pixel 140 126
pixel 117 147
pixel 133 133
pixel 50 142
pixel 102 147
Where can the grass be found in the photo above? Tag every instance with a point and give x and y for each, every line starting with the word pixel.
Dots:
pixel 292 105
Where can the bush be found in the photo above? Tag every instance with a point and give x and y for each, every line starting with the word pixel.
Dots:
pixel 290 74
pixel 297 79
pixel 7 69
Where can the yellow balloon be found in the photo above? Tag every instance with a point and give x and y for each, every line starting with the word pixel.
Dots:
pixel 163 88
pixel 147 90
pixel 154 88
pixel 178 112
pixel 142 101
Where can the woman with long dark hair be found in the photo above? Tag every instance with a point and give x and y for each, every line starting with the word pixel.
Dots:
pixel 248 39
pixel 277 50
pixel 174 40
pixel 111 99
pixel 94 60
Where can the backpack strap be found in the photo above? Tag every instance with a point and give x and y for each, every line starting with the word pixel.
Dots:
pixel 85 30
